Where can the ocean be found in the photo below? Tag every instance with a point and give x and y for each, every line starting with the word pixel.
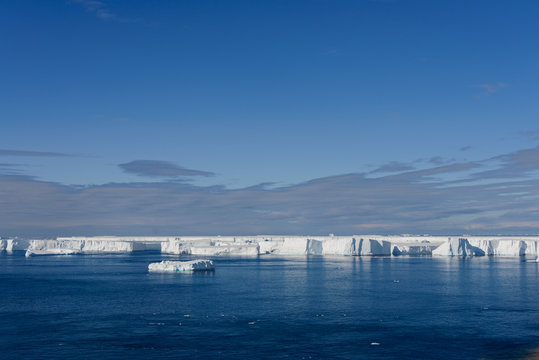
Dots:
pixel 110 307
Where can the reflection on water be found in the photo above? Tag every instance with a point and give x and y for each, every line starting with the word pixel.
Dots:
pixel 311 307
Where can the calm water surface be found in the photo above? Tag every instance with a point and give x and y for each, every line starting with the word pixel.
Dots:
pixel 110 307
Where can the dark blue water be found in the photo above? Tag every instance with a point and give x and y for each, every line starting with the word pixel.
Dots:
pixel 104 307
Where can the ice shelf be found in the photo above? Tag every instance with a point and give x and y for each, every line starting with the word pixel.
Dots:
pixel 283 245
pixel 176 266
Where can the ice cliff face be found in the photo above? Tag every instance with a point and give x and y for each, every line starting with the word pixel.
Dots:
pixel 285 246
pixel 226 250
pixel 458 247
pixel 339 246
pixel 412 249
pixel 490 247
pixel 373 247
pixel 70 247
pixel 208 247
pixel 16 245
pixel 300 246
pixel 507 247
pixel 355 245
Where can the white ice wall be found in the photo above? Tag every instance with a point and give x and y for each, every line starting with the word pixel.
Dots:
pixel 286 245
pixel 373 247
pixel 458 247
pixel 300 246
pixel 412 249
pixel 339 246
pixel 175 247
pixel 506 247
pixel 50 247
pixel 267 246
pixel 17 245
pixel 226 250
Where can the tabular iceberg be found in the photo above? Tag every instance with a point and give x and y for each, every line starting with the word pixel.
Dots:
pixel 72 247
pixel 177 266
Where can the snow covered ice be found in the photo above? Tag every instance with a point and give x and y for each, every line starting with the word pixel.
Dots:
pixel 282 245
pixel 412 249
pixel 208 247
pixel 458 247
pixel 175 266
pixel 72 247
pixel 16 245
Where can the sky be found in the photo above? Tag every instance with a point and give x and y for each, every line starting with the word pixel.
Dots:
pixel 268 117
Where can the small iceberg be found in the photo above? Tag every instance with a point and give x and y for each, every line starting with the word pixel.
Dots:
pixel 175 266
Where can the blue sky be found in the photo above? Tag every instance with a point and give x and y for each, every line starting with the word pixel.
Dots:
pixel 318 100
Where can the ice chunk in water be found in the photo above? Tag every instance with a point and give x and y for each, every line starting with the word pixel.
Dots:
pixel 175 266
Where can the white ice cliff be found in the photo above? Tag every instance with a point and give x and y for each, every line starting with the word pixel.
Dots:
pixel 16 245
pixel 412 249
pixel 355 245
pixel 458 247
pixel 70 247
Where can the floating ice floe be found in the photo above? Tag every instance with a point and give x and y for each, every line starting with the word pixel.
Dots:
pixel 176 266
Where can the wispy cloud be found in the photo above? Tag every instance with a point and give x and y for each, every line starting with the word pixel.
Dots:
pixel 491 88
pixel 11 152
pixel 394 166
pixel 98 8
pixel 157 168
pixel 530 134
pixel 522 163
pixel 438 160
pixel 465 148
pixel 10 169
pixel 489 201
